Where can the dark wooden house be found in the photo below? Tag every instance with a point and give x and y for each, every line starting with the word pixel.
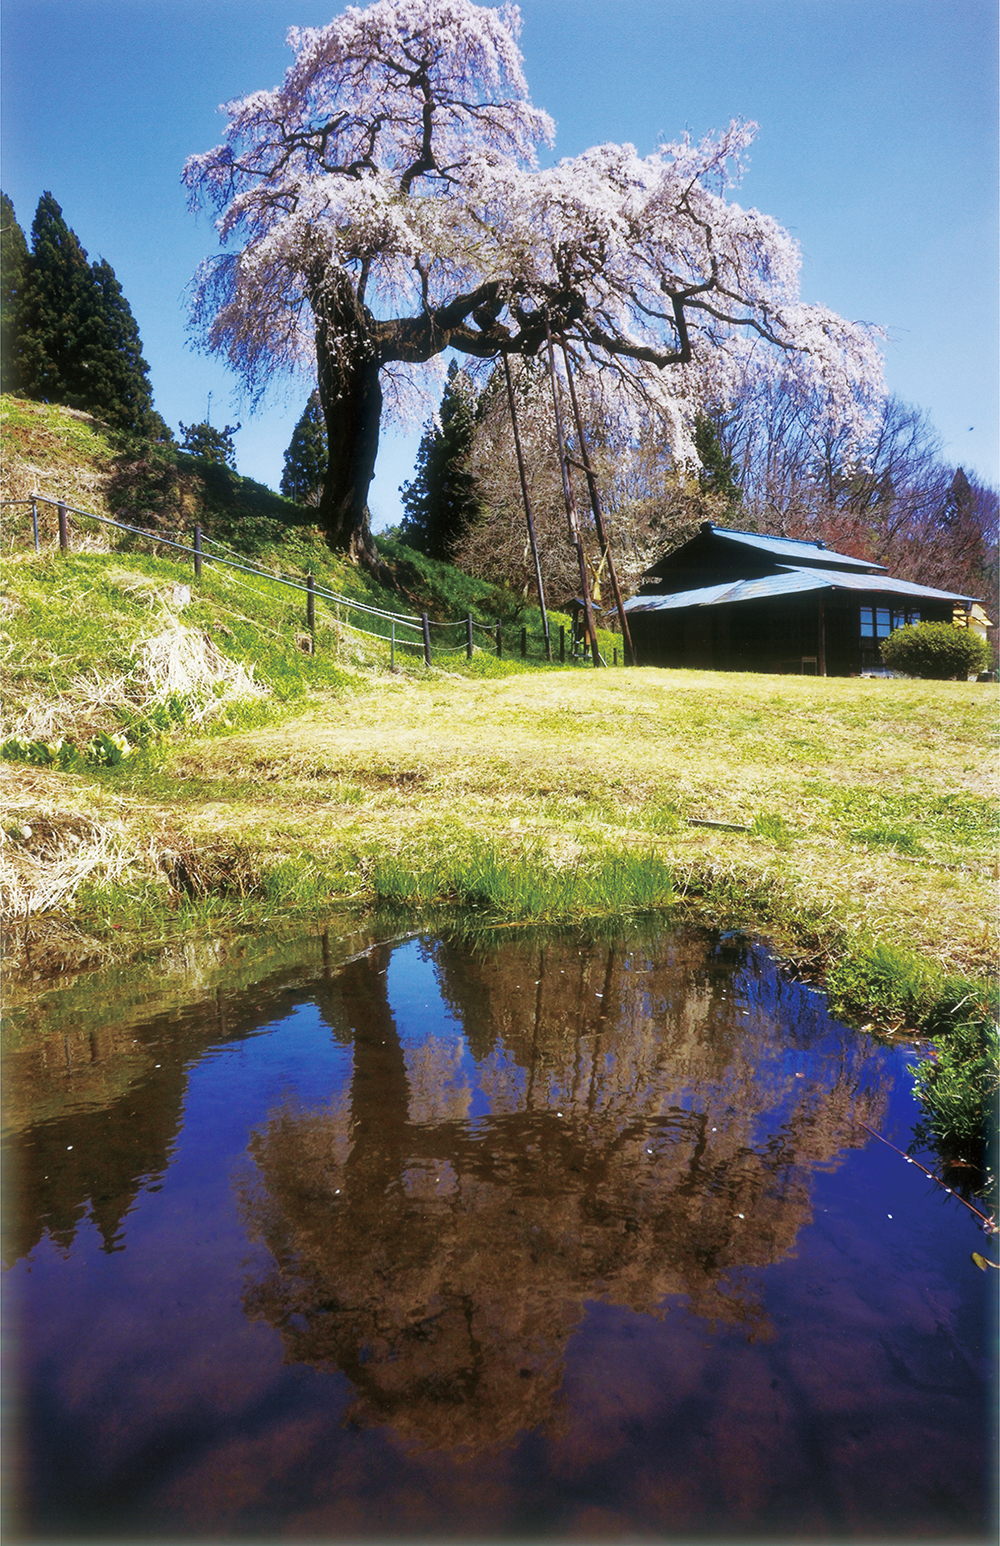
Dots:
pixel 735 601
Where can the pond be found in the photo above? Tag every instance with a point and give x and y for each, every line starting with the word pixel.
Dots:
pixel 556 1237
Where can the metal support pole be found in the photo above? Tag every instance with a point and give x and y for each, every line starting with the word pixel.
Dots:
pixel 821 662
pixel 63 527
pixel 34 523
pixel 427 638
pixel 468 637
pixel 595 505
pixel 197 550
pixel 311 603
pixel 392 648
pixel 570 498
pixel 527 508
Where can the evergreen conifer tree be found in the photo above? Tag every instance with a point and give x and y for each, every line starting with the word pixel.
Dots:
pixel 443 498
pixel 13 259
pixel 306 457
pixel 212 445
pixel 719 473
pixel 56 313
pixel 118 386
pixel 77 340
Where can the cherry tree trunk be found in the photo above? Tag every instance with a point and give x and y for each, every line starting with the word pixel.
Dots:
pixel 351 398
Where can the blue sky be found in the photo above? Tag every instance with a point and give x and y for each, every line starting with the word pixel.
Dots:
pixel 877 149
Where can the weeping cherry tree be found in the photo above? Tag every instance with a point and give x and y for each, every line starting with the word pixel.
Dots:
pixel 385 203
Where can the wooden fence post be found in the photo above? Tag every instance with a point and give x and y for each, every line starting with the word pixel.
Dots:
pixel 427 638
pixel 34 523
pixel 197 550
pixel 311 603
pixel 499 640
pixel 468 637
pixel 63 527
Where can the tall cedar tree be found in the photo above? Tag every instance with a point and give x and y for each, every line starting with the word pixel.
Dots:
pixel 306 457
pixel 77 340
pixel 13 259
pixel 443 498
pixel 719 473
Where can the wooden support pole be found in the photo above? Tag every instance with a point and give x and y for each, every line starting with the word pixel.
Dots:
pixel 34 523
pixel 595 504
pixel 527 507
pixel 574 523
pixel 311 603
pixel 63 527
pixel 427 638
pixel 468 636
pixel 197 550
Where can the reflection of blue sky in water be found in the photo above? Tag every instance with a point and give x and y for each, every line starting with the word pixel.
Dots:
pixel 835 1388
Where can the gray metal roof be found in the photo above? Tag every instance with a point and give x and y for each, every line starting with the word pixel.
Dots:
pixel 794 581
pixel 797 550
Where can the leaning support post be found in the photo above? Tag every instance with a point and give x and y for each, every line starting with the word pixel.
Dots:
pixel 197 550
pixel 34 523
pixel 527 507
pixel 427 638
pixel 595 505
pixel 63 527
pixel 468 636
pixel 311 603
pixel 570 498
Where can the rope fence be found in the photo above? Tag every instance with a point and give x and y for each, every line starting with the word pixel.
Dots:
pixel 397 629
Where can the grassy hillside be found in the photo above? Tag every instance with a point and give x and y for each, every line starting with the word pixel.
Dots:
pixel 176 761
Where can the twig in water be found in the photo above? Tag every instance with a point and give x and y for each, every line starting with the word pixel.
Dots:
pixel 989 1224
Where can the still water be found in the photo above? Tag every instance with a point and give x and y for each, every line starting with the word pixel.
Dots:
pixel 561 1238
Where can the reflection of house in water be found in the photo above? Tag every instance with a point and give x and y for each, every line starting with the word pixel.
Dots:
pixel 647 1137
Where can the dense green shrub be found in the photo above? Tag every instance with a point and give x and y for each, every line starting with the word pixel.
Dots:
pixel 937 651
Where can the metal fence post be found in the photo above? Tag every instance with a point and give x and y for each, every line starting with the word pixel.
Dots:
pixel 468 636
pixel 311 603
pixel 34 523
pixel 197 550
pixel 63 527
pixel 427 638
pixel 392 648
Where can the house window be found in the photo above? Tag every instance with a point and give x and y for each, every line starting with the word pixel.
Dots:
pixel 878 622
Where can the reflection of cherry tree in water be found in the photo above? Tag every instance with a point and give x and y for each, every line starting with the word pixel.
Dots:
pixel 648 1137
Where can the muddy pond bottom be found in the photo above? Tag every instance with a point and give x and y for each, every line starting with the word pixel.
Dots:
pixel 558 1238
